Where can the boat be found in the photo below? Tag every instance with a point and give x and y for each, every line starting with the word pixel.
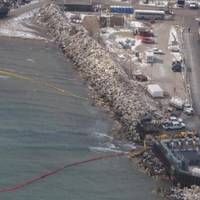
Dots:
pixel 181 159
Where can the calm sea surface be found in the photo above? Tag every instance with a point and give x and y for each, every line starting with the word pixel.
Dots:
pixel 42 129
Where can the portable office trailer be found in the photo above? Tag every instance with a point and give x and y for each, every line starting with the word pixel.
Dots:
pixel 155 90
pixel 149 14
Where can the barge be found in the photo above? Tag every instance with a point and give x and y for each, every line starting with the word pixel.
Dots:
pixel 181 158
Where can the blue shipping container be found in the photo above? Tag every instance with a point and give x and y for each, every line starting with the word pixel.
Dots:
pixel 122 9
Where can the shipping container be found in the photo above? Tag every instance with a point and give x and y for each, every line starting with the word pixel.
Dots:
pixel 155 90
pixel 122 9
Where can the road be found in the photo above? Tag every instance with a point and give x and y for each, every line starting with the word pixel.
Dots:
pixel 191 49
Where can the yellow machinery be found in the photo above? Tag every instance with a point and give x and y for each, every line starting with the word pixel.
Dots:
pixel 182 134
pixel 163 136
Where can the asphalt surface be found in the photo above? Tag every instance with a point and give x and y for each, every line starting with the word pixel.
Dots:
pixel 191 49
pixel 192 54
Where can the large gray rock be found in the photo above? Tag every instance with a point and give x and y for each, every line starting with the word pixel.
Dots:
pixel 106 77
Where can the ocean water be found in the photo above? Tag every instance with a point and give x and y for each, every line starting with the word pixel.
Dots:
pixel 43 128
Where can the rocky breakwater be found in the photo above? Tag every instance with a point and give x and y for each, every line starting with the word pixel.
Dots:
pixel 107 78
pixel 192 193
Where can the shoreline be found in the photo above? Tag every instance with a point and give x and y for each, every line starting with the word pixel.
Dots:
pixel 109 82
pixel 96 67
pixel 120 129
pixel 88 59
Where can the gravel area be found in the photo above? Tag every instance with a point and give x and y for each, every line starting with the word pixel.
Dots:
pixel 192 193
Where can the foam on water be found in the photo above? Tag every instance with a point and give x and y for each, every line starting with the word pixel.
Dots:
pixel 107 147
pixel 104 149
pixel 30 60
pixel 4 77
pixel 129 146
pixel 102 135
pixel 109 144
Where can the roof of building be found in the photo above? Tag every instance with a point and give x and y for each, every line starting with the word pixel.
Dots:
pixel 76 2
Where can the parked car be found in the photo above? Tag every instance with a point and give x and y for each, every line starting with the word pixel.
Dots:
pixel 193 5
pixel 175 119
pixel 177 66
pixel 174 125
pixel 174 48
pixel 157 51
pixel 148 40
pixel 177 62
pixel 188 109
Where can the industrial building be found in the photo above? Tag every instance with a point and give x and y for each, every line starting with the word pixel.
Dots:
pixel 122 9
pixel 76 5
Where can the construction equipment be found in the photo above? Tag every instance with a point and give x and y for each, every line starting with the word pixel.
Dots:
pixel 162 136
pixel 181 134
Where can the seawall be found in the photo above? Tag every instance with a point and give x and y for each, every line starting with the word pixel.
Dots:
pixel 125 97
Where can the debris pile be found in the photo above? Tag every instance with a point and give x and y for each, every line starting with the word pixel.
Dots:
pixel 151 164
pixel 192 193
pixel 106 77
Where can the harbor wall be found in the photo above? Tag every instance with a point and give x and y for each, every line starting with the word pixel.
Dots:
pixel 126 98
pixel 177 176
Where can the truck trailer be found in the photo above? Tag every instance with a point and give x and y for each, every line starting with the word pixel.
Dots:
pixel 180 3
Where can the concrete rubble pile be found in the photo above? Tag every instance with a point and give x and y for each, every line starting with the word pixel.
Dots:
pixel 107 78
pixel 151 164
pixel 192 193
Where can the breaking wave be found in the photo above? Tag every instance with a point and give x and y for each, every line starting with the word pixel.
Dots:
pixel 104 149
pixel 102 135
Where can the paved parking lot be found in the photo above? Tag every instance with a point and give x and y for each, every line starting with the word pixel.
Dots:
pixel 160 72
